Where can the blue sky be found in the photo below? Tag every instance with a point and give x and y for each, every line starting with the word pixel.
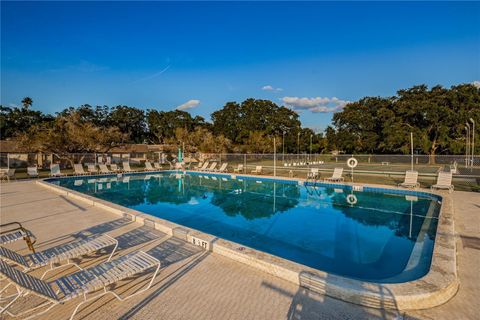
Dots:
pixel 311 56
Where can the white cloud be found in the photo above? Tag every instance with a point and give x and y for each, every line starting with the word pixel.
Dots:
pixel 315 105
pixel 271 88
pixel 476 84
pixel 188 105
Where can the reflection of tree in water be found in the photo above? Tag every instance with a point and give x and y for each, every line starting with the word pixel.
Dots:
pixel 256 200
pixel 391 212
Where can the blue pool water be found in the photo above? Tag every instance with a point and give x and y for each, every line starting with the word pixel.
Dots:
pixel 374 235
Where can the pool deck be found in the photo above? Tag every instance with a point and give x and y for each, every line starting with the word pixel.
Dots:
pixel 197 284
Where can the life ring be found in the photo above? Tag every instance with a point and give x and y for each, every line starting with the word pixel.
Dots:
pixel 352 162
pixel 351 199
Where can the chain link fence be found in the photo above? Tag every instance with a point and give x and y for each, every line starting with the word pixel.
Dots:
pixel 380 169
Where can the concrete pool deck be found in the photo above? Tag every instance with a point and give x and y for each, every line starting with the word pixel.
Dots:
pixel 194 283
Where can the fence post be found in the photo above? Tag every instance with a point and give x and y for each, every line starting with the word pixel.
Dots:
pixel 274 158
pixel 244 163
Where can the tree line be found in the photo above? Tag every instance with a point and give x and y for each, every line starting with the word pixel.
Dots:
pixel 436 116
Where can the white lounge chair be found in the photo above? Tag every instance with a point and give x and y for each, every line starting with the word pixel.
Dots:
pixel 92 168
pixel 212 167
pixel 204 167
pixel 411 178
pixel 336 176
pixel 258 170
pixel 104 169
pixel 148 166
pixel 199 166
pixel 78 284
pixel 444 181
pixel 157 165
pixel 238 169
pixel 78 169
pixel 60 253
pixel 313 174
pixel 115 168
pixel 55 170
pixel 126 167
pixel 14 232
pixel 32 172
pixel 223 167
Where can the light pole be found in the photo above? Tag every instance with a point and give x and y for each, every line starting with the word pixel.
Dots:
pixel 468 151
pixel 310 158
pixel 283 147
pixel 467 144
pixel 473 140
pixel 298 146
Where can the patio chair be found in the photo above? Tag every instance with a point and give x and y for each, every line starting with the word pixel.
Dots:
pixel 32 172
pixel 238 169
pixel 157 165
pixel 7 174
pixel 126 167
pixel 104 169
pixel 13 231
pixel 60 253
pixel 313 174
pixel 257 170
pixel 78 169
pixel 55 170
pixel 411 178
pixel 444 181
pixel 148 166
pixel 204 167
pixel 223 167
pixel 212 167
pixel 78 284
pixel 115 168
pixel 199 165
pixel 92 168
pixel 336 176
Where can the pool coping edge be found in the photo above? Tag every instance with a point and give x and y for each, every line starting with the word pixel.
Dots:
pixel 435 288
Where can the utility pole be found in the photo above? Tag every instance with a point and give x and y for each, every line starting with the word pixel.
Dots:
pixel 473 140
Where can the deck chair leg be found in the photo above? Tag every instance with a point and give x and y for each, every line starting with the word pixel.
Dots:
pixel 138 292
pixel 113 251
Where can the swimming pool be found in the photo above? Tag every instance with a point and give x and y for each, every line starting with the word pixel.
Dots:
pixel 375 235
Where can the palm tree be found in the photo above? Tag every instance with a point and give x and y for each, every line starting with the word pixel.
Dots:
pixel 27 102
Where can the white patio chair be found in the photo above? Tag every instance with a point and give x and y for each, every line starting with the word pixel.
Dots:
pixel 78 284
pixel 92 168
pixel 257 170
pixel 444 181
pixel 55 170
pixel 11 234
pixel 64 252
pixel 148 166
pixel 78 168
pixel 204 167
pixel 238 169
pixel 115 168
pixel 223 167
pixel 336 176
pixel 313 174
pixel 104 169
pixel 411 178
pixel 157 165
pixel 126 167
pixel 32 172
pixel 212 167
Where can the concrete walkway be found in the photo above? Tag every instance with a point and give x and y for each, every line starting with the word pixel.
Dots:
pixel 194 284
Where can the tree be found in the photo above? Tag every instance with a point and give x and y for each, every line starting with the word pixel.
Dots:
pixel 237 121
pixel 130 121
pixel 162 124
pixel 70 134
pixel 14 121
pixel 435 116
pixel 27 102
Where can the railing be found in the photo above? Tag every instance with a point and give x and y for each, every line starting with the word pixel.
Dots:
pixel 374 168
